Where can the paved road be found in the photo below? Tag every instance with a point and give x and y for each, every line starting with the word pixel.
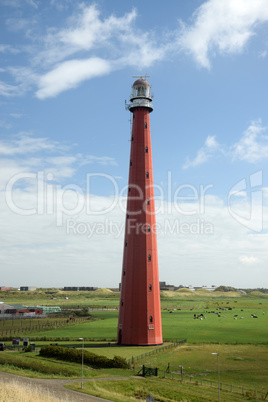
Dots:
pixel 56 387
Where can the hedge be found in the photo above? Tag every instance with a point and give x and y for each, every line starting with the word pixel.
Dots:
pixel 75 355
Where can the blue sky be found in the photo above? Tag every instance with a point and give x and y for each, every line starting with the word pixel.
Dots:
pixel 65 74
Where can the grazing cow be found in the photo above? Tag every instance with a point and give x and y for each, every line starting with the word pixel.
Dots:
pixel 198 316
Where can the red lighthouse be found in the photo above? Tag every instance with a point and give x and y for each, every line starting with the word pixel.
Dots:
pixel 140 311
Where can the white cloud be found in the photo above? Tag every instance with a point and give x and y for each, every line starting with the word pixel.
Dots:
pixel 24 153
pixel 77 244
pixel 15 115
pixel 67 226
pixel 222 26
pixel 246 260
pixel 19 3
pixel 10 90
pixel 69 75
pixel 263 54
pixel 87 30
pixel 4 124
pixel 89 45
pixel 24 144
pixel 102 160
pixel 19 24
pixel 253 145
pixel 115 39
pixel 7 48
pixel 209 149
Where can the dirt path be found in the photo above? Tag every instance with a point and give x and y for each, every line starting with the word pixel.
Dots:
pixel 56 387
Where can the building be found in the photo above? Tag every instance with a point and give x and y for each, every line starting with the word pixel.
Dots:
pixel 139 321
pixel 165 286
pixel 27 288
pixel 78 289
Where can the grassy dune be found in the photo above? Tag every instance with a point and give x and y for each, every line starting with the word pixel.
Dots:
pixel 16 391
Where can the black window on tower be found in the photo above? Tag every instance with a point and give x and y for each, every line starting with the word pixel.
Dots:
pixel 149 257
pixel 147 175
pixel 150 287
pixel 146 150
pixel 151 318
pixel 145 125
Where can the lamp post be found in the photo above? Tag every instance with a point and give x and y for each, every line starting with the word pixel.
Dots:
pixel 82 339
pixel 181 367
pixel 218 358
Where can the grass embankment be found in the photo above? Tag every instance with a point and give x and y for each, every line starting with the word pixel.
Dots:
pixel 32 365
pixel 35 366
pixel 165 391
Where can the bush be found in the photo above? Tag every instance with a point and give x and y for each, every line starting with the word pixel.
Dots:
pixel 27 349
pixel 120 362
pixel 75 355
pixel 225 289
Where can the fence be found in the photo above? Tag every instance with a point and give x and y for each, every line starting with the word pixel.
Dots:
pixel 135 359
pixel 37 326
pixel 250 393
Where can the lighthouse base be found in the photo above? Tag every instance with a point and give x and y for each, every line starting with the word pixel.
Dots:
pixel 140 344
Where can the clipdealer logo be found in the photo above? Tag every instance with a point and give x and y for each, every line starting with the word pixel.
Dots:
pixel 67 202
pixel 249 189
pixel 168 227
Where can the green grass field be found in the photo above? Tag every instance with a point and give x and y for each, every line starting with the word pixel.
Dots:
pixel 180 324
pixel 242 344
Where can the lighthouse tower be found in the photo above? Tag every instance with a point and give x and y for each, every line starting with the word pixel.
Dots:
pixel 139 320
